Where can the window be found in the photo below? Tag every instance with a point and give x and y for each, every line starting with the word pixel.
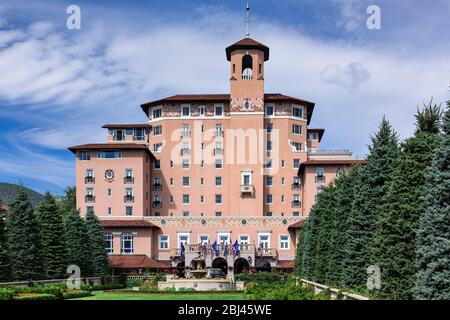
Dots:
pixel 247 67
pixel 109 242
pixel 269 127
pixel 218 110
pixel 90 195
pixel 218 181
pixel 223 237
pixel 109 154
pixel 185 150
pixel 282 198
pixel 202 199
pixel 185 213
pixel 320 174
pixel 109 192
pixel 268 164
pixel 109 211
pixel 312 136
pixel 89 209
pixel 128 173
pixel 296 146
pixel 185 130
pixel 185 182
pixel 202 181
pixel 203 239
pixel 89 176
pixel 264 240
pixel 218 163
pixel 295 201
pixel 185 199
pixel 244 239
pixel 157 113
pixel 171 199
pixel 296 214
pixel 284 242
pixel 297 111
pixel 218 213
pixel 185 110
pixel 319 190
pixel 183 238
pixel 246 105
pixel 218 148
pixel 282 180
pixel 157 130
pixel 139 134
pixel 185 164
pixel 163 242
pixel 296 129
pixel 201 111
pixel 268 214
pixel 157 147
pixel 171 163
pixel 246 178
pixel 84 155
pixel 268 145
pixel 269 110
pixel 127 243
pixel 118 135
pixel 128 210
pixel 129 132
pixel 218 132
pixel 171 181
pixel 296 163
pixel 269 181
pixel 283 163
pixel 296 183
pixel 269 199
pixel 218 199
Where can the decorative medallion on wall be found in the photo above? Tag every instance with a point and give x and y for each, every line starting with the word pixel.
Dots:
pixel 243 221
pixel 284 221
pixel 203 221
pixel 109 175
pixel 163 221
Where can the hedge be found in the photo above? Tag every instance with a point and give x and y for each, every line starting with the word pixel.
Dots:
pixel 76 294
pixel 43 296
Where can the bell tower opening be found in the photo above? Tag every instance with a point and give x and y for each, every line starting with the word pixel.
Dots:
pixel 247 67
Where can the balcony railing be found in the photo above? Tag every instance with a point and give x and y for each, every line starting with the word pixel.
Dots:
pixel 247 77
pixel 157 187
pixel 157 204
pixel 185 152
pixel 128 198
pixel 218 133
pixel 89 179
pixel 218 152
pixel 267 252
pixel 296 186
pixel 320 179
pixel 296 204
pixel 128 180
pixel 247 189
pixel 243 248
pixel 185 134
pixel 89 198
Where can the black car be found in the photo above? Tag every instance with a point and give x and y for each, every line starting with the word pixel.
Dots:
pixel 216 273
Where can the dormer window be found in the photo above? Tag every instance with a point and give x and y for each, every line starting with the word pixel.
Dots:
pixel 185 110
pixel 201 111
pixel 247 67
pixel 218 110
pixel 297 111
pixel 269 110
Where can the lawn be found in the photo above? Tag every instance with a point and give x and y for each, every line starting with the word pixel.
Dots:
pixel 105 295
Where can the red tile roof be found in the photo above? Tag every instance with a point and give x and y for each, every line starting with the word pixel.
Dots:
pixel 125 126
pixel 134 261
pixel 113 146
pixel 247 43
pixel 268 97
pixel 285 264
pixel 126 224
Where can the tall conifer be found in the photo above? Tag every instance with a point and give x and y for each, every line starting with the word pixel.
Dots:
pixel 100 263
pixel 5 267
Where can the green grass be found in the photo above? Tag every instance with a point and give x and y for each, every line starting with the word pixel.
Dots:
pixel 105 295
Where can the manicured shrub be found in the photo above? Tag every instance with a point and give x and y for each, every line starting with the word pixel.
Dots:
pixel 106 287
pixel 38 296
pixel 76 294
pixel 170 289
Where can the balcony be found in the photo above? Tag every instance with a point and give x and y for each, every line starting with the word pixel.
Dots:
pixel 185 134
pixel 218 133
pixel 247 189
pixel 89 180
pixel 267 252
pixel 128 198
pixel 185 152
pixel 218 152
pixel 157 187
pixel 296 186
pixel 128 180
pixel 320 179
pixel 157 204
pixel 247 77
pixel 138 138
pixel 89 198
pixel 296 204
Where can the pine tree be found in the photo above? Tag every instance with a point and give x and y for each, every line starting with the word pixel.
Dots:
pixel 24 240
pixel 5 267
pixel 394 246
pixel 77 243
pixel 371 185
pixel 100 262
pixel 68 203
pixel 308 250
pixel 53 238
pixel 433 244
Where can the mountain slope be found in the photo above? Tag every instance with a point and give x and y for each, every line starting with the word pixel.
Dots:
pixel 8 192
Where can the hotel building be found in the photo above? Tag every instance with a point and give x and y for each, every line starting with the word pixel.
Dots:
pixel 210 180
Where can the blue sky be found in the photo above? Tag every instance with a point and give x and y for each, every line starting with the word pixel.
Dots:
pixel 58 86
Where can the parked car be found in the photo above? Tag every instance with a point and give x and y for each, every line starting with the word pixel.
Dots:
pixel 216 273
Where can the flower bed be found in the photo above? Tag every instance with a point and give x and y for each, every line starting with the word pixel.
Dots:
pixel 174 292
pixel 34 296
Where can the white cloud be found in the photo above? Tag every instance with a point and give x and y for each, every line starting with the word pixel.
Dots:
pixel 349 77
pixel 352 14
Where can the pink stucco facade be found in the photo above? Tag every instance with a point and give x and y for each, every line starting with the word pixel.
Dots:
pixel 242 166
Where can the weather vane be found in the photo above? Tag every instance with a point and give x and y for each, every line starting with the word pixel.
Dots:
pixel 247 9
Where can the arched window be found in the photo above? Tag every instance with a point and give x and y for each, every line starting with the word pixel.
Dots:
pixel 247 67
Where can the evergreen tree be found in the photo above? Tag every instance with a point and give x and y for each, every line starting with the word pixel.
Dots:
pixel 100 262
pixel 433 244
pixel 5 267
pixel 24 240
pixel 68 203
pixel 77 243
pixel 394 246
pixel 370 187
pixel 53 238
pixel 308 250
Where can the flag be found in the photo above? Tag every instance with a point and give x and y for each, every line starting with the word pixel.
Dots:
pixel 236 248
pixel 215 248
pixel 225 249
pixel 182 250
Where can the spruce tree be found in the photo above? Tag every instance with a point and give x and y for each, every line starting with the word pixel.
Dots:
pixel 433 244
pixel 53 238
pixel 100 264
pixel 308 250
pixel 370 187
pixel 68 203
pixel 24 240
pixel 5 267
pixel 77 243
pixel 394 246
